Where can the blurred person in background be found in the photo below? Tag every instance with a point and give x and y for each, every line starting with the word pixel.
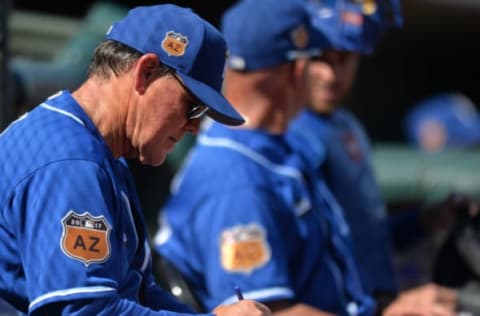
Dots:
pixel 245 210
pixel 339 149
pixel 439 124
pixel 447 120
pixel 72 238
pixel 338 145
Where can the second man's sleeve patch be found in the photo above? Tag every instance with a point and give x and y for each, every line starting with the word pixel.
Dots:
pixel 244 248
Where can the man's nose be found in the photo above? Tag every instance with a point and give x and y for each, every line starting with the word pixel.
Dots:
pixel 193 125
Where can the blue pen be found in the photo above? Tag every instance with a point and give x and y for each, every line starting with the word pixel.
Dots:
pixel 239 294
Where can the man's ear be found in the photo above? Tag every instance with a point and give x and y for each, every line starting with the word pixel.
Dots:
pixel 299 71
pixel 299 82
pixel 145 71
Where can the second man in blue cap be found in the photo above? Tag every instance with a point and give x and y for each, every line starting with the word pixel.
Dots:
pixel 244 209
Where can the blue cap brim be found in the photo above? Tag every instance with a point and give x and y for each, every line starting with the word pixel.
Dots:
pixel 219 108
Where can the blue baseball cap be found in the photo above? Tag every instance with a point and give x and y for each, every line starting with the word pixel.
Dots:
pixel 450 114
pixel 185 42
pixel 355 25
pixel 265 33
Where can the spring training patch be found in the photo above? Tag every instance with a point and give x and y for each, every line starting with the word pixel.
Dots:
pixel 244 248
pixel 174 43
pixel 85 237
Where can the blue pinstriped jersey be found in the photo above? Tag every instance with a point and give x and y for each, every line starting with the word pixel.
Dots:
pixel 71 225
pixel 242 213
pixel 338 147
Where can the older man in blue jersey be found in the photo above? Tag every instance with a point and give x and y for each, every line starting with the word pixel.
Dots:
pixel 72 237
pixel 244 210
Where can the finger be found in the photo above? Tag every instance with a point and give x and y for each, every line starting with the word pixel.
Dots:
pixel 440 310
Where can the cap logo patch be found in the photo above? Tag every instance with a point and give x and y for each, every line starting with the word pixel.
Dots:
pixel 85 237
pixel 244 248
pixel 174 43
pixel 369 7
pixel 299 37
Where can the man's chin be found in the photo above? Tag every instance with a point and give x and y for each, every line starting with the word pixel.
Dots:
pixel 323 107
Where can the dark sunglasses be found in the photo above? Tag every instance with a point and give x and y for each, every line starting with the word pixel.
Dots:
pixel 197 109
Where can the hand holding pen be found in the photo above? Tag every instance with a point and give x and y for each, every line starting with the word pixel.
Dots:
pixel 242 307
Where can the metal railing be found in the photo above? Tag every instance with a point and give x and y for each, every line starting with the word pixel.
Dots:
pixel 5 104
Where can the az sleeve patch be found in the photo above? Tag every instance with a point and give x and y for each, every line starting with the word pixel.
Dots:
pixel 85 237
pixel 244 248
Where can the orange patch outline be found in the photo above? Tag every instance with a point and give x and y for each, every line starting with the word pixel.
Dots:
pixel 174 43
pixel 240 254
pixel 93 233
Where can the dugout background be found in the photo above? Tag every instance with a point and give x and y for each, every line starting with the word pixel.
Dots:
pixel 437 50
